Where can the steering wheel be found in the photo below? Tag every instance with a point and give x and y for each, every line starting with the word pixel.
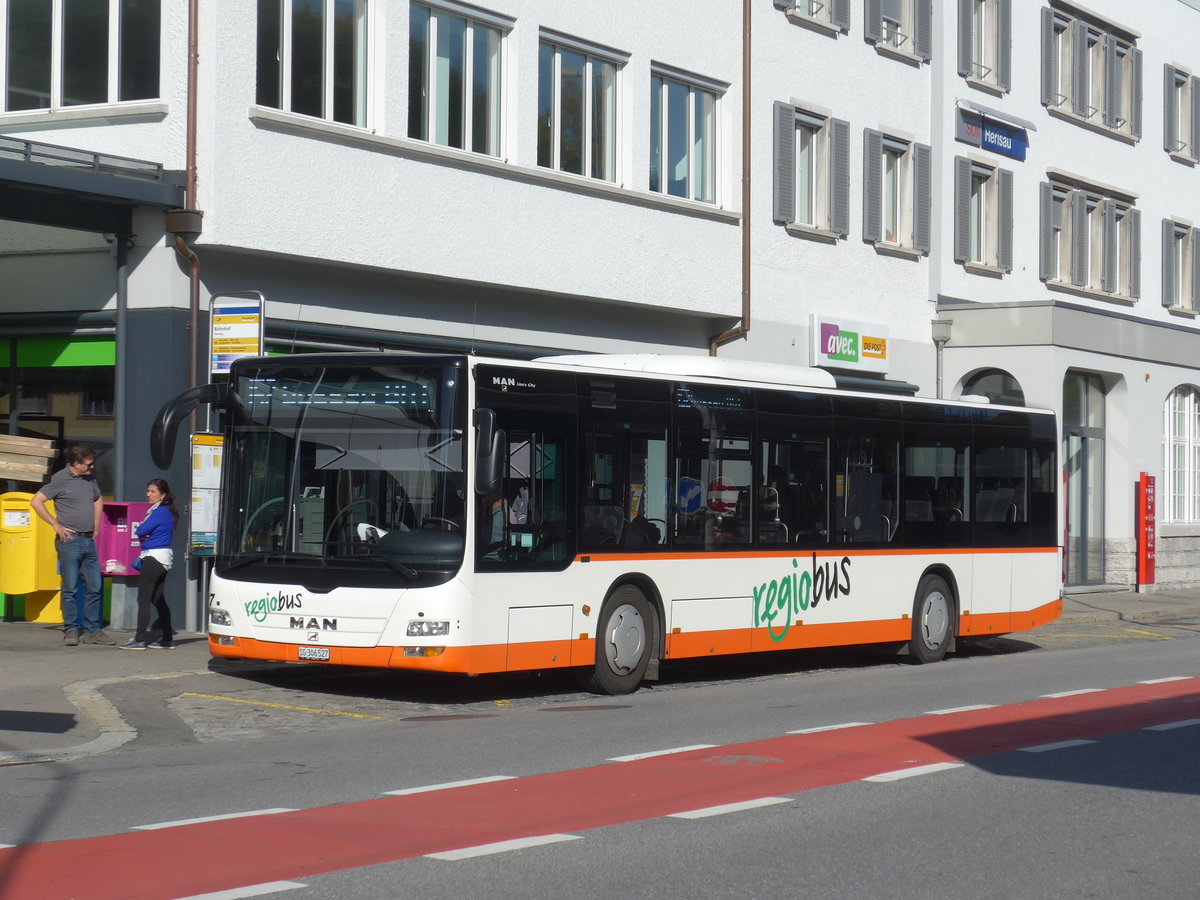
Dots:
pixel 250 519
pixel 345 509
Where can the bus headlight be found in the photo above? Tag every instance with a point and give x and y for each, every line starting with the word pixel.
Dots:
pixel 218 616
pixel 424 628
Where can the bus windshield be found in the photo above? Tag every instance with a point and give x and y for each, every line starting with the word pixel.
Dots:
pixel 344 474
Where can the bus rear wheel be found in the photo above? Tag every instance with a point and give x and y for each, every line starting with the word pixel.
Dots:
pixel 932 621
pixel 625 639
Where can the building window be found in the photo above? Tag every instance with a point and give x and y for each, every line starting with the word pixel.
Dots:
pixel 812 171
pixel 454 72
pixel 95 404
pixel 577 111
pixel 997 385
pixel 833 14
pixel 683 137
pixel 1181 113
pixel 982 215
pixel 61 54
pixel 1181 266
pixel 312 58
pixel 897 187
pixel 1089 240
pixel 985 42
pixel 901 27
pixel 1181 456
pixel 1091 73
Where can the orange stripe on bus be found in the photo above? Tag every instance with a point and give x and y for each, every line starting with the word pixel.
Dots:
pixel 803 551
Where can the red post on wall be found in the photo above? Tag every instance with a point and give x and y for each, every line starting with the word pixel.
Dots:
pixel 1146 529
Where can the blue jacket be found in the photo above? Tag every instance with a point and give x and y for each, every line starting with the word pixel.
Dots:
pixel 158 529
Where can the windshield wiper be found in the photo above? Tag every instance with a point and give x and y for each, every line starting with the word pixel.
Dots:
pixel 403 568
pixel 255 558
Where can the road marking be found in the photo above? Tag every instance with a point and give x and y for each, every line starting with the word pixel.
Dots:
pixel 1071 693
pixel 635 756
pixel 1059 745
pixel 323 712
pixel 914 771
pixel 1165 680
pixel 725 808
pixel 1149 635
pixel 237 815
pixel 448 785
pixel 1182 723
pixel 503 846
pixel 821 728
pixel 958 709
pixel 250 890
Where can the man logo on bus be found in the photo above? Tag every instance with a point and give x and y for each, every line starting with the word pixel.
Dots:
pixel 785 598
pixel 838 344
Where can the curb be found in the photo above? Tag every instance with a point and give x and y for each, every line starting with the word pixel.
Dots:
pixel 1150 615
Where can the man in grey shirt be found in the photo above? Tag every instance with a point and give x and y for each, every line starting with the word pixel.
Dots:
pixel 76 522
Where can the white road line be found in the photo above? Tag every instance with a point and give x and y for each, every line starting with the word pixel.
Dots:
pixel 1071 693
pixel 728 808
pixel 503 846
pixel 958 709
pixel 633 756
pixel 1060 745
pixel 821 728
pixel 1165 680
pixel 1182 723
pixel 915 770
pixel 250 890
pixel 237 815
pixel 450 784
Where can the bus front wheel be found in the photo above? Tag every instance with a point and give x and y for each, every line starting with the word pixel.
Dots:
pixel 932 621
pixel 625 640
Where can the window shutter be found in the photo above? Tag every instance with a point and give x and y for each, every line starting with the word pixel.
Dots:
pixel 1004 44
pixel 873 23
pixel 1170 110
pixel 1081 87
pixel 922 198
pixel 962 208
pixel 923 29
pixel 1194 87
pixel 1004 219
pixel 839 177
pixel 1046 230
pixel 1135 93
pixel 784 207
pixel 965 69
pixel 1168 263
pixel 872 185
pixel 1079 238
pixel 1049 59
pixel 1112 83
pixel 839 15
pixel 1135 253
pixel 1108 275
pixel 786 5
pixel 1195 238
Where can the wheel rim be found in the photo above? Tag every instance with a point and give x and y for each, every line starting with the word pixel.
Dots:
pixel 626 639
pixel 935 619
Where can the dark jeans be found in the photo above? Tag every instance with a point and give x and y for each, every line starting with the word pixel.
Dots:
pixel 151 596
pixel 78 561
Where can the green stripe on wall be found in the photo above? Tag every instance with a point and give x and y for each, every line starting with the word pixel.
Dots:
pixel 62 352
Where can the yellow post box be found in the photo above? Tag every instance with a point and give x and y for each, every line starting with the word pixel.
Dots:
pixel 28 560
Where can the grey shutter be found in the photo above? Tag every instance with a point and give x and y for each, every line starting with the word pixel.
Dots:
pixel 784 205
pixel 1004 219
pixel 1046 231
pixel 1135 93
pixel 1195 236
pixel 1049 60
pixel 923 29
pixel 1194 149
pixel 1081 90
pixel 839 15
pixel 1079 238
pixel 1135 253
pixel 1004 45
pixel 786 5
pixel 962 208
pixel 1112 83
pixel 872 185
pixel 965 69
pixel 873 21
pixel 839 177
pixel 1170 110
pixel 922 198
pixel 1109 269
pixel 1168 262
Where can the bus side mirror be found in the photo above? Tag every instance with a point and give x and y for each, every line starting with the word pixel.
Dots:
pixel 491 453
pixel 166 423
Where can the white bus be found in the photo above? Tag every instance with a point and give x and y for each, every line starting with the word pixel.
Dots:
pixel 469 515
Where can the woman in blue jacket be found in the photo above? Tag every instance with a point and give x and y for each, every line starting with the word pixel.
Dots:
pixel 155 532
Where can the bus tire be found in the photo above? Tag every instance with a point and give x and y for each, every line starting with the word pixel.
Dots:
pixel 625 640
pixel 932 621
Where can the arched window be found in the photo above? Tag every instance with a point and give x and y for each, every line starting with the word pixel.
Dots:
pixel 1180 488
pixel 997 385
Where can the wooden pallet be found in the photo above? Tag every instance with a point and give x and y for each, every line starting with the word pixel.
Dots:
pixel 25 459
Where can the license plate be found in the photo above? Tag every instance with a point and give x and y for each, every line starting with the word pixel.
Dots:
pixel 319 654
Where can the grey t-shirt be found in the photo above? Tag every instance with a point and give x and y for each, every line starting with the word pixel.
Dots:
pixel 74 499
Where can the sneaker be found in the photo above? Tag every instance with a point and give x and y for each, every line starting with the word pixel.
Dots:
pixel 133 645
pixel 71 638
pixel 98 637
pixel 161 645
